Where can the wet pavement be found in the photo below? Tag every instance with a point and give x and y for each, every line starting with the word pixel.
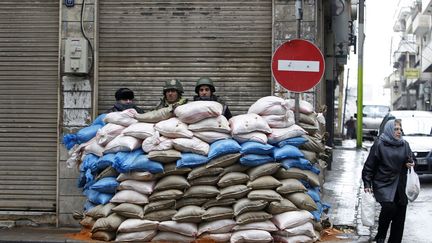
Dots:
pixel 341 191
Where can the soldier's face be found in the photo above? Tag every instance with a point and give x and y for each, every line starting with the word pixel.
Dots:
pixel 204 91
pixel 171 95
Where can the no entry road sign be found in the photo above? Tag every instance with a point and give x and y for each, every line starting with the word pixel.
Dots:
pixel 297 65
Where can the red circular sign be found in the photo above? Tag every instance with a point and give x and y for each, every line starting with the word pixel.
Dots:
pixel 297 65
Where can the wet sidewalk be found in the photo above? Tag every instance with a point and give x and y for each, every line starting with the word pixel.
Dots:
pixel 341 191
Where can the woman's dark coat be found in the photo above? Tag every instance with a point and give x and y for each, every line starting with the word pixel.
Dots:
pixel 385 172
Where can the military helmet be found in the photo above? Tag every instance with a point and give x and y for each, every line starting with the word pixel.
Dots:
pixel 173 84
pixel 204 81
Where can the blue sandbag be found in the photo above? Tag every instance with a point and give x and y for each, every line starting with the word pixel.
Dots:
pixel 102 163
pixel 82 136
pixel 314 194
pixel 295 141
pixel 255 159
pixel 138 162
pixel 251 147
pixel 89 179
pixel 222 147
pixel 81 180
pixel 106 185
pixel 191 160
pixel 87 133
pixel 317 213
pixel 300 163
pixel 287 151
pixel 100 120
pixel 122 159
pixel 88 162
pixel 98 197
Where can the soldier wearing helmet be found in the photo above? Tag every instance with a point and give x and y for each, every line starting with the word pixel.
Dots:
pixel 205 90
pixel 172 97
pixel 124 100
pixel 172 94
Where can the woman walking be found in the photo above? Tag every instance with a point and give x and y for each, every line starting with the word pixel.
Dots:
pixel 384 174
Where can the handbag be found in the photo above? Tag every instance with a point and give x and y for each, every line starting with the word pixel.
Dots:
pixel 412 189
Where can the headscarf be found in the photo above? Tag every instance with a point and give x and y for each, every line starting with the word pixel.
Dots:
pixel 388 134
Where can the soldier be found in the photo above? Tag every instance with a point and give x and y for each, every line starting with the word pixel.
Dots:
pixel 172 97
pixel 205 90
pixel 124 100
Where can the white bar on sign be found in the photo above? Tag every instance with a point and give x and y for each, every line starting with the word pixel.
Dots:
pixel 299 66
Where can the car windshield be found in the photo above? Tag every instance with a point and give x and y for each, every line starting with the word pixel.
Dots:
pixel 375 110
pixel 416 126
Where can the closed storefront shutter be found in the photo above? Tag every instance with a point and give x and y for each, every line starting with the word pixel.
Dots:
pixel 144 43
pixel 28 111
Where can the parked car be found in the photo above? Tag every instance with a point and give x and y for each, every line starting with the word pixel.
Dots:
pixel 372 118
pixel 416 129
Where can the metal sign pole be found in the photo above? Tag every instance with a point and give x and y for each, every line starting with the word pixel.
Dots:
pixel 299 17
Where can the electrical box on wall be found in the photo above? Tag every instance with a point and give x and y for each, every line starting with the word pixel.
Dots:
pixel 76 56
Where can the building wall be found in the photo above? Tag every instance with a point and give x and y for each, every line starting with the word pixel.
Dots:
pixel 76 102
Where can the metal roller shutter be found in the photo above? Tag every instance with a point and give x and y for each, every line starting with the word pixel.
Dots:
pixel 144 43
pixel 28 112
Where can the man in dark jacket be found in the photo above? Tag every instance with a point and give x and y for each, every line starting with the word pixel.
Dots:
pixel 205 90
pixel 385 174
pixel 124 100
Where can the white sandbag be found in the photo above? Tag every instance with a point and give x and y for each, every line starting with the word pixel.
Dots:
pixel 259 137
pixel 143 236
pixel 135 225
pixel 280 121
pixel 198 110
pixel 187 229
pixel 265 104
pixel 172 237
pixel 108 132
pixel 217 226
pixel 247 236
pixel 136 175
pixel 211 137
pixel 124 118
pixel 293 239
pixel 140 130
pixel 192 145
pixel 215 124
pixel 173 128
pixel 156 143
pixel 144 187
pixel 304 229
pixel 274 110
pixel 129 196
pixel 266 225
pixel 305 107
pixel 122 143
pixel 94 148
pixel 247 123
pixel 291 219
pixel 279 134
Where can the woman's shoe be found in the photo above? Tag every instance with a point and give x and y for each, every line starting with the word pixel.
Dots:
pixel 379 240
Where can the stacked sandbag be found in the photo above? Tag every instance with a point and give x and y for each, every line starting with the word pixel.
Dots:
pixel 199 176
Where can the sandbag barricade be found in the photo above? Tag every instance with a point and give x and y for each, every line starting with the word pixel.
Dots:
pixel 257 176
